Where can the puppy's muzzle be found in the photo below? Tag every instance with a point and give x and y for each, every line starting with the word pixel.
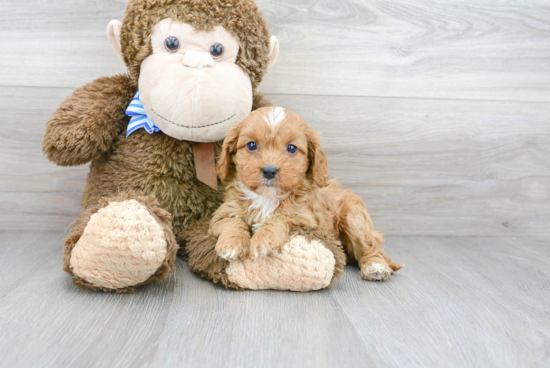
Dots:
pixel 269 172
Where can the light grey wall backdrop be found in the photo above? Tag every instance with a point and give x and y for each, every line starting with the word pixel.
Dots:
pixel 436 112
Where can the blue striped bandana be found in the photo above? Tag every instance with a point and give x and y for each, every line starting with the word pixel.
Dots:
pixel 139 118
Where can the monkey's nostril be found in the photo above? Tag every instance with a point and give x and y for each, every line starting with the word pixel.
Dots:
pixel 269 172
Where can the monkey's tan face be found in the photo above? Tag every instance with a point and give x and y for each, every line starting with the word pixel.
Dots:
pixel 190 86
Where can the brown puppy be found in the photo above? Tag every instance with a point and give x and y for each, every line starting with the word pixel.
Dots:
pixel 277 179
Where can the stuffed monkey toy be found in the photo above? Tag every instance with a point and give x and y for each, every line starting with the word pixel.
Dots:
pixel 152 136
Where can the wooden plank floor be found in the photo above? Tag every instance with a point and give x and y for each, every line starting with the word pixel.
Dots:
pixel 460 302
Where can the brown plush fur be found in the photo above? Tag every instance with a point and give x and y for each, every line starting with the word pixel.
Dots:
pixel 88 122
pixel 304 198
pixel 90 125
pixel 155 164
pixel 241 18
pixel 160 215
pixel 203 259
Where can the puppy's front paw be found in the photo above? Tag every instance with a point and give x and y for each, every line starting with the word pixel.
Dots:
pixel 233 245
pixel 265 241
pixel 376 272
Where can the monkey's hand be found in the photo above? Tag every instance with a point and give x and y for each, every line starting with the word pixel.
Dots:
pixel 86 123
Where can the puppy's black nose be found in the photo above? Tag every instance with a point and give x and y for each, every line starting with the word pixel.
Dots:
pixel 269 172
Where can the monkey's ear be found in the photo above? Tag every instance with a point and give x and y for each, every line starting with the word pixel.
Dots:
pixel 113 32
pixel 273 50
pixel 229 147
pixel 318 165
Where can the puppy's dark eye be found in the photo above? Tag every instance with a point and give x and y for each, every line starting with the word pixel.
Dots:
pixel 172 44
pixel 216 50
pixel 251 146
pixel 292 149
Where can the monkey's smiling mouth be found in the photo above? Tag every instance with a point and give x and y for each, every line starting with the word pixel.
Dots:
pixel 192 127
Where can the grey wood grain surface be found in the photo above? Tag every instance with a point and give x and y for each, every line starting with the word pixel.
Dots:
pixel 401 48
pixel 422 166
pixel 460 302
pixel 436 113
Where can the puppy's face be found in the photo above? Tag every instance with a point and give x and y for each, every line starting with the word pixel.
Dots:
pixel 272 151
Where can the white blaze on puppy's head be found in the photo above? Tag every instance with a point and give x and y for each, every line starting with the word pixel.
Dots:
pixel 273 148
pixel 275 115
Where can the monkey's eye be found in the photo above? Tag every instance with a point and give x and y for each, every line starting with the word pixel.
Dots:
pixel 172 44
pixel 216 50
pixel 252 146
pixel 292 149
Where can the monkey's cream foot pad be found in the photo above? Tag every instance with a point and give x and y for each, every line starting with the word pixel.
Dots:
pixel 123 245
pixel 300 265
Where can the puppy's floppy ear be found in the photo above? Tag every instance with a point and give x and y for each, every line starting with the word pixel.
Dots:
pixel 229 147
pixel 318 165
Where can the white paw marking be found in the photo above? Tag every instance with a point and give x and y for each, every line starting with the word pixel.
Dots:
pixel 229 256
pixel 376 272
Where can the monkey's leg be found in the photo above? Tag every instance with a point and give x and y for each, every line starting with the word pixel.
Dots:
pixel 361 240
pixel 120 243
pixel 309 261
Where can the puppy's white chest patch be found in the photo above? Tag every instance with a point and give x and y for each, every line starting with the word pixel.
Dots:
pixel 264 204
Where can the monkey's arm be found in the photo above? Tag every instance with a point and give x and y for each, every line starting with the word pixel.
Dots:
pixel 86 123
